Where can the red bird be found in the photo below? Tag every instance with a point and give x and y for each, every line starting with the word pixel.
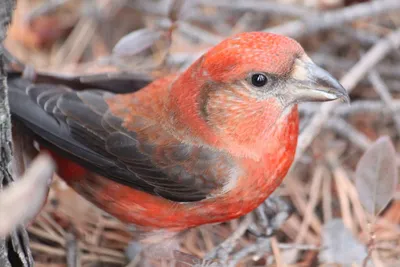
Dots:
pixel 205 146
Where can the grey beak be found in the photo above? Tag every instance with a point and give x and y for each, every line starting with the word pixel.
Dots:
pixel 318 85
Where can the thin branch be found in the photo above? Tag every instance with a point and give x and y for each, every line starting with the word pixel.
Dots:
pixel 73 257
pixel 44 9
pixel 312 203
pixel 335 19
pixel 263 244
pixel 383 91
pixel 341 64
pixel 277 253
pixel 349 81
pixel 198 33
pixel 298 246
pixel 347 130
pixel 257 6
pixel 357 107
pixel 223 250
pixel 339 174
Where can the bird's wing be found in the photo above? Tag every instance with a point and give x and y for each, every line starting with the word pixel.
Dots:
pixel 81 126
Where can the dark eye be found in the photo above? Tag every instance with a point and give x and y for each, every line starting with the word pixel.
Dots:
pixel 259 80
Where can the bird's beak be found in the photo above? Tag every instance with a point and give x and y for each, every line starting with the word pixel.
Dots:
pixel 312 83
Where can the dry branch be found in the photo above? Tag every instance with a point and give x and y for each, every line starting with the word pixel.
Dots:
pixel 334 19
pixel 383 92
pixel 275 8
pixel 349 81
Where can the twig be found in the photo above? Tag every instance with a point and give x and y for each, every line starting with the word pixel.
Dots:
pixel 334 19
pixel 135 262
pixel 53 223
pixel 73 259
pixel 103 251
pixel 327 198
pixel 223 249
pixel 292 225
pixel 314 197
pixel 262 244
pixel 257 6
pixel 46 235
pixel 45 225
pixel 357 107
pixel 47 249
pixel 76 43
pixel 342 64
pixel 207 239
pixel 105 259
pixel 347 130
pixel 376 259
pixel 299 200
pixel 383 92
pixel 340 175
pixel 198 33
pixel 298 246
pixel 249 21
pixel 44 8
pixel 277 252
pixel 160 8
pixel 362 36
pixel 352 194
pixel 349 81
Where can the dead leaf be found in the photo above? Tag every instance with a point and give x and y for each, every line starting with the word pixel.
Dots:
pixel 340 246
pixel 376 175
pixel 136 42
pixel 142 49
pixel 23 199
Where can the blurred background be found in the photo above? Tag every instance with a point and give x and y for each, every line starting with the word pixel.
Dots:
pixel 333 208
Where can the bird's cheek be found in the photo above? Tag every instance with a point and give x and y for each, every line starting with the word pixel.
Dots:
pixel 274 106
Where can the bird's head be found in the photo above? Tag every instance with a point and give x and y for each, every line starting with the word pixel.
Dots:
pixel 244 85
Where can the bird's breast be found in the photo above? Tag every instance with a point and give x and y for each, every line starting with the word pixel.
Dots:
pixel 260 177
pixel 256 180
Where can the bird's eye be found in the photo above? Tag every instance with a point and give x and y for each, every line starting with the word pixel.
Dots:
pixel 259 80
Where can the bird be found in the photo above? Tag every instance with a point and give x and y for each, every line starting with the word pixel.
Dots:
pixel 203 146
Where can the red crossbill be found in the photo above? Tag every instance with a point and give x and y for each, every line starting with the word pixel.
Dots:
pixel 205 146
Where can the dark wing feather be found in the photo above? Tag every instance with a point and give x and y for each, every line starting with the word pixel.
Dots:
pixel 81 125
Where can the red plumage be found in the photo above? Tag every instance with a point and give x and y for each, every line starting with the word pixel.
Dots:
pixel 206 146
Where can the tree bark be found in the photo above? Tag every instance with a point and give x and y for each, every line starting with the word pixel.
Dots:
pixel 14 251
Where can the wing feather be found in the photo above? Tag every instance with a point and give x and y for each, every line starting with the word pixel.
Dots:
pixel 146 158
